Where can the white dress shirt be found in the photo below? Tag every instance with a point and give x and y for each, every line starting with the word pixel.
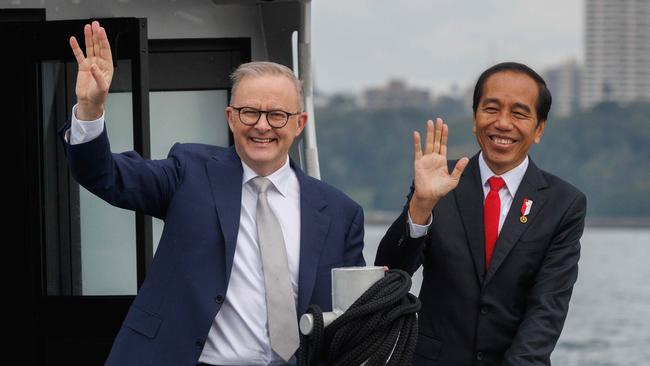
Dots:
pixel 512 178
pixel 239 334
pixel 85 131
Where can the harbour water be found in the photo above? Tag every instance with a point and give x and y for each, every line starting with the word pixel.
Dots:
pixel 609 316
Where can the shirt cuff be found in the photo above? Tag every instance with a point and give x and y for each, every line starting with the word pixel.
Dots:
pixel 418 231
pixel 83 131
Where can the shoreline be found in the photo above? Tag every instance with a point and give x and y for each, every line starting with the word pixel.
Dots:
pixel 387 218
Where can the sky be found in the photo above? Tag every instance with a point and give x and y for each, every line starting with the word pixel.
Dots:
pixel 435 44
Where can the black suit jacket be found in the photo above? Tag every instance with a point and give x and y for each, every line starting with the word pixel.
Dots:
pixel 513 313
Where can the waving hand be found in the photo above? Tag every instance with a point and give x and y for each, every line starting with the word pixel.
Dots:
pixel 431 175
pixel 95 71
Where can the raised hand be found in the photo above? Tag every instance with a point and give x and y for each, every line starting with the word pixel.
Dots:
pixel 95 72
pixel 430 172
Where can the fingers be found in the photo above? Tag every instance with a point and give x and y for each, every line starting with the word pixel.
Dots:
pixel 88 40
pixel 437 136
pixel 458 169
pixel 105 54
pixel 95 40
pixel 443 140
pixel 78 53
pixel 416 145
pixel 96 43
pixel 436 139
pixel 428 148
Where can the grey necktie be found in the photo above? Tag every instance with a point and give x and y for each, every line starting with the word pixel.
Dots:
pixel 280 305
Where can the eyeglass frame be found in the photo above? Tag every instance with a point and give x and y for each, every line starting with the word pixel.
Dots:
pixel 261 111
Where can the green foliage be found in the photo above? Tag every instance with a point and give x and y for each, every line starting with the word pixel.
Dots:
pixel 605 152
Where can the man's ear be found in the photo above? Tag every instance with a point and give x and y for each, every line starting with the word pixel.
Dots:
pixel 230 113
pixel 539 131
pixel 302 122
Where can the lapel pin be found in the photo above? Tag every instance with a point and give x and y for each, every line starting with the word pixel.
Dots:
pixel 525 210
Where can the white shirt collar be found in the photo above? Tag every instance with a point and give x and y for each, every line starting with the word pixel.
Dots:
pixel 512 177
pixel 279 178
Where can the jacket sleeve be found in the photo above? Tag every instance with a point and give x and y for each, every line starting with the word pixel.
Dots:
pixel 125 180
pixel 397 249
pixel 548 301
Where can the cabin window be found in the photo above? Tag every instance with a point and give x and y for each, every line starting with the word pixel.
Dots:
pixel 189 90
pixel 92 248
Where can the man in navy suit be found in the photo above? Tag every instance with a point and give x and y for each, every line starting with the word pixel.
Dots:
pixel 498 238
pixel 203 301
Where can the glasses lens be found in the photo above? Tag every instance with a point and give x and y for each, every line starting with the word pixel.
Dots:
pixel 249 116
pixel 277 118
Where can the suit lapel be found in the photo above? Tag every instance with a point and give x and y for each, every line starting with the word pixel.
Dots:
pixel 469 197
pixel 225 175
pixel 314 225
pixel 531 187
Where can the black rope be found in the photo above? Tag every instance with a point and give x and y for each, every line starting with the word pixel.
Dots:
pixel 380 328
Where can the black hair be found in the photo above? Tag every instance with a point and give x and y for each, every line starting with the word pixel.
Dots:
pixel 543 94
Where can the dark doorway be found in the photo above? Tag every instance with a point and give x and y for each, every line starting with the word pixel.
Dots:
pixel 72 301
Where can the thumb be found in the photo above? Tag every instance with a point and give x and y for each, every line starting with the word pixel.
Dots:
pixel 458 169
pixel 99 78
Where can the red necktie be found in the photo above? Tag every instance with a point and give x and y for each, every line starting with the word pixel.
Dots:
pixel 491 211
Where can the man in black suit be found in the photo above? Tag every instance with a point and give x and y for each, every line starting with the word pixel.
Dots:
pixel 499 239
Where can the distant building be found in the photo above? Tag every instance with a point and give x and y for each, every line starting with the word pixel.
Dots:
pixel 564 83
pixel 617 51
pixel 336 100
pixel 342 101
pixel 396 94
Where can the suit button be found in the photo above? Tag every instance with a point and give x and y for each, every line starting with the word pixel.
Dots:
pixel 479 356
pixel 219 299
pixel 199 343
pixel 484 310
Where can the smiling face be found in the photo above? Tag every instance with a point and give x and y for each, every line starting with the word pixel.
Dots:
pixel 505 122
pixel 262 147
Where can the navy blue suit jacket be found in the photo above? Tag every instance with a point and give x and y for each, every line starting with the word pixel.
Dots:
pixel 197 192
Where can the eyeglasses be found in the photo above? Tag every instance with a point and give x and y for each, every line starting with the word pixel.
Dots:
pixel 250 116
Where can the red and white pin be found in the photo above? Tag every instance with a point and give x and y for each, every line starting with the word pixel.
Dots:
pixel 525 210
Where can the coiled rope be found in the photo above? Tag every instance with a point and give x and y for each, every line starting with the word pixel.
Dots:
pixel 380 328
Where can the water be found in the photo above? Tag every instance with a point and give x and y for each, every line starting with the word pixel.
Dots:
pixel 609 316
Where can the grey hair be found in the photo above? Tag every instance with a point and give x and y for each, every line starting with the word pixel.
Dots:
pixel 264 68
